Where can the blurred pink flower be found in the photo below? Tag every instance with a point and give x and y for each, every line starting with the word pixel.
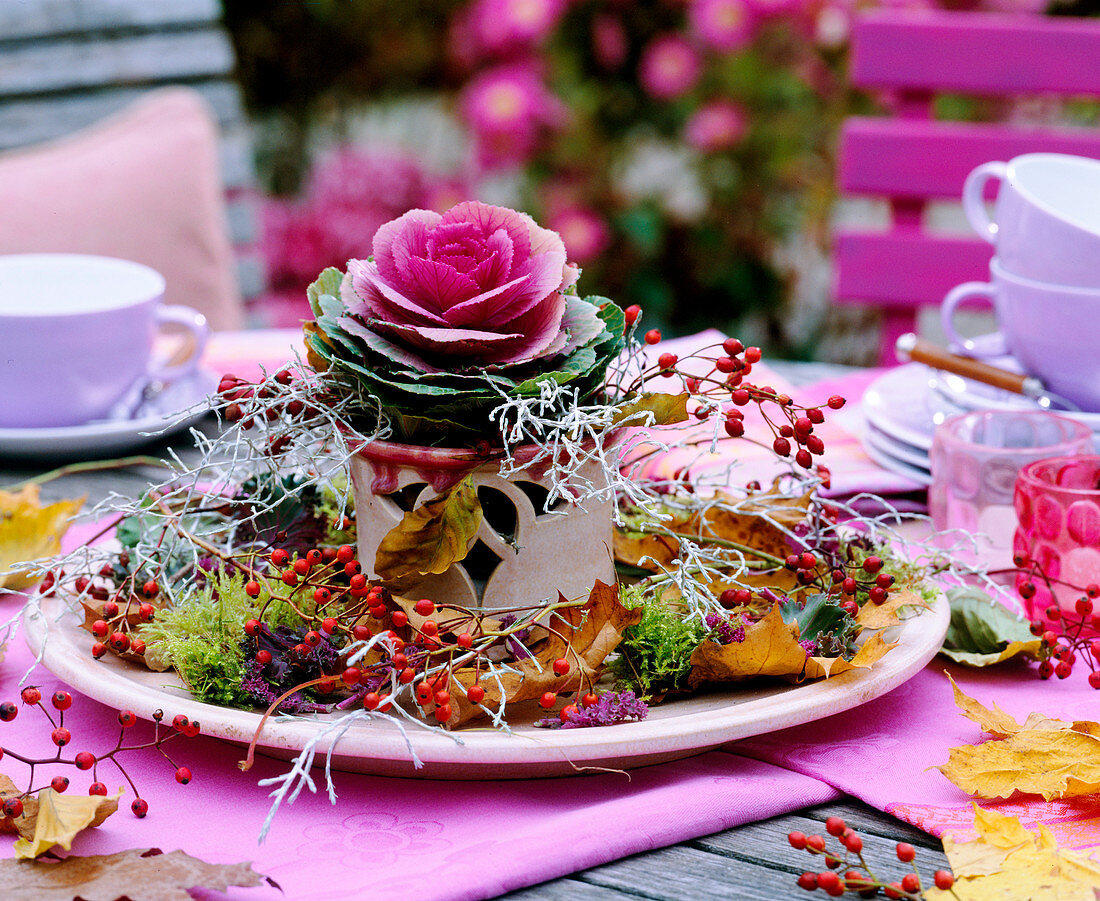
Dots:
pixel 506 27
pixel 716 126
pixel 724 25
pixel 669 67
pixel 508 108
pixel 292 243
pixel 585 234
pixel 609 41
pixel 768 8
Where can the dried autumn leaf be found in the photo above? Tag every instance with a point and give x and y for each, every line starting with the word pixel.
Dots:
pixel 1008 861
pixel 754 525
pixel 666 409
pixel 17 824
pixel 29 531
pixel 432 537
pixel 983 632
pixel 888 613
pixel 139 875
pixel 584 634
pixel 771 648
pixel 1052 758
pixel 60 818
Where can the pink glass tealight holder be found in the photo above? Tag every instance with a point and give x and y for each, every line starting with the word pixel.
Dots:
pixel 1058 508
pixel 975 458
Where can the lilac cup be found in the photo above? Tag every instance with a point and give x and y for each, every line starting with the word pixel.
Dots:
pixel 76 336
pixel 1052 330
pixel 1046 222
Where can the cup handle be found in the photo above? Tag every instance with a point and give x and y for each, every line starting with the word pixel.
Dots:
pixel 973 198
pixel 956 341
pixel 184 360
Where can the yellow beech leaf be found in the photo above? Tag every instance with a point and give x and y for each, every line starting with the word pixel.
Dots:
pixel 770 648
pixel 29 531
pixel 666 409
pixel 1007 861
pixel 1052 758
pixel 60 819
pixel 432 537
pixel 886 614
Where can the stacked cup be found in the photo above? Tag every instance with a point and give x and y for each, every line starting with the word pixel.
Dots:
pixel 1044 281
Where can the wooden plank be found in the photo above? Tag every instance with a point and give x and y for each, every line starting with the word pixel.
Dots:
pixel 251 274
pixel 766 843
pixel 29 121
pixel 37 18
pixel 905 269
pixel 976 53
pixel 906 158
pixel 568 889
pixel 72 63
pixel 235 156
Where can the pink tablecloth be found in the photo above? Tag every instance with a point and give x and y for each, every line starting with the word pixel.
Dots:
pixel 452 840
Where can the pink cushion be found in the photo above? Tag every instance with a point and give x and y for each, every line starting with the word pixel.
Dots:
pixel 142 185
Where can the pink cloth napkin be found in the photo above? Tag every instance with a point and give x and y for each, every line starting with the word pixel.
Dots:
pixel 430 840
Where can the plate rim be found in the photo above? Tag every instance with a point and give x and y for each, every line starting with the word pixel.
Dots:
pixel 905 431
pixel 381 748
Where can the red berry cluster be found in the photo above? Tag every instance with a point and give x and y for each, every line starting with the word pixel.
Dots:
pixel 858 877
pixel 723 391
pixel 86 760
pixel 1067 637
pixel 248 403
pixel 338 606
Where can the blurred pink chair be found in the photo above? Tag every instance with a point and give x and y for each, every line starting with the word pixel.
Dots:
pixel 910 159
pixel 144 185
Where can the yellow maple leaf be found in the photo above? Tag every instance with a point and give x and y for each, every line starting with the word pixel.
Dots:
pixel 29 531
pixel 61 818
pixel 886 614
pixel 1008 861
pixel 1052 758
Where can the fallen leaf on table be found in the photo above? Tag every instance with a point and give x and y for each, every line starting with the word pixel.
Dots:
pixel 60 818
pixel 430 538
pixel 139 875
pixel 771 648
pixel 1008 861
pixel 1052 758
pixel 584 634
pixel 984 632
pixel 29 531
pixel 17 824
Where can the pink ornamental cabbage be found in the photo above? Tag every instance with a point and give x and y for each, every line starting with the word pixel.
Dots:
pixel 477 286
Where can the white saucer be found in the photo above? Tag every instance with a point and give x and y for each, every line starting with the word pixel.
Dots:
pixel 896 403
pixel 886 459
pixel 172 410
pixel 907 453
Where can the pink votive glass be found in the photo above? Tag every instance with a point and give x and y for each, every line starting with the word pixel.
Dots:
pixel 1058 507
pixel 975 459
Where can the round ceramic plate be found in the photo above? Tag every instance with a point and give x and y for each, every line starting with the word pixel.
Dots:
pixel 673 730
pixel 899 450
pixel 171 411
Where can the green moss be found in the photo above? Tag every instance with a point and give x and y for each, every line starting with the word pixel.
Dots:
pixel 654 657
pixel 201 638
